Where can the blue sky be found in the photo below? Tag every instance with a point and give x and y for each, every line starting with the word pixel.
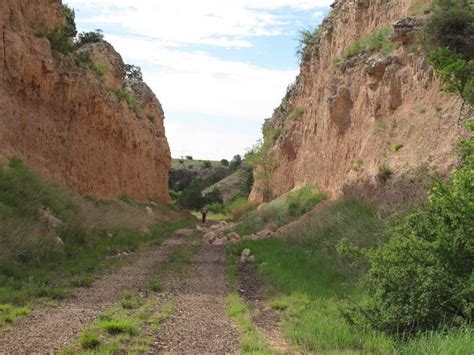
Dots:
pixel 218 67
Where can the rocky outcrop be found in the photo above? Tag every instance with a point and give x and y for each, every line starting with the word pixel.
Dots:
pixel 365 114
pixel 68 124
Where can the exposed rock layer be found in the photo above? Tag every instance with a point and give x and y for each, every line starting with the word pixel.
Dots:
pixel 69 125
pixel 365 112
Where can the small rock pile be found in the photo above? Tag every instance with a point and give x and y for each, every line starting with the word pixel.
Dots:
pixel 221 233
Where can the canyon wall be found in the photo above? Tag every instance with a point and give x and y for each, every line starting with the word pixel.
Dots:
pixel 69 125
pixel 367 121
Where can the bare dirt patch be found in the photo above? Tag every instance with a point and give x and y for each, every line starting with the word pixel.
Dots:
pixel 199 323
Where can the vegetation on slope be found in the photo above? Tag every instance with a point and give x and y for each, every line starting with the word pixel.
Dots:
pixel 52 239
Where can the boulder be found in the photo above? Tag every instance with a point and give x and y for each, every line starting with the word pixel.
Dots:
pixel 209 238
pixel 272 227
pixel 263 234
pixel 404 30
pixel 245 256
pixel 50 218
pixel 149 211
pixel 233 237
pixel 251 237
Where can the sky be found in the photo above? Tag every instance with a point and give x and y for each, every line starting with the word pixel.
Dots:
pixel 218 67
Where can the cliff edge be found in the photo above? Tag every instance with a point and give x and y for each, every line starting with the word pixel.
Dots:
pixel 366 109
pixel 88 130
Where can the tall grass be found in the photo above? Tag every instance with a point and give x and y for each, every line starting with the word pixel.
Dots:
pixel 377 41
pixel 38 259
pixel 281 211
pixel 311 283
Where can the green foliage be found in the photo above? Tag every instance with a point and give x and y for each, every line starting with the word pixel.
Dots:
pixel 120 326
pixel 215 207
pixel 70 29
pixel 129 98
pixel 451 26
pixel 9 313
pixel 358 164
pixel 133 73
pixel 235 163
pixel 206 164
pixel 309 280
pixel 189 157
pixel 83 60
pixel 224 162
pixel 395 147
pixel 281 211
pixel 156 285
pixel 240 206
pixel 377 41
pixel 89 340
pixel 192 198
pixel 384 173
pixel 456 72
pixel 57 37
pixel 308 40
pixel 296 114
pixel 84 38
pixel 422 278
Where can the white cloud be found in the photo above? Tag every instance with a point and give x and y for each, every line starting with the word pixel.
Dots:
pixel 197 83
pixel 224 101
pixel 213 22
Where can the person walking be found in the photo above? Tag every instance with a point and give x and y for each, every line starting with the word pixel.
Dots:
pixel 204 214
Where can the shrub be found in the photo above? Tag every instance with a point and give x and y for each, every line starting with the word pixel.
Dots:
pixel 240 206
pixel 308 40
pixel 456 72
pixel 70 29
pixel 235 163
pixel 84 38
pixel 126 96
pixel 452 26
pixel 189 157
pixel 133 73
pixel 89 340
pixel 215 207
pixel 377 41
pixel 422 278
pixel 224 162
pixel 296 114
pixel 206 164
pixel 57 37
pixel 384 173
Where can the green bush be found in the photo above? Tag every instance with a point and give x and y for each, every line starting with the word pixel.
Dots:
pixel 224 162
pixel 451 26
pixel 84 38
pixel 206 164
pixel 126 96
pixel 422 278
pixel 377 41
pixel 308 40
pixel 296 114
pixel 58 38
pixel 133 73
pixel 70 28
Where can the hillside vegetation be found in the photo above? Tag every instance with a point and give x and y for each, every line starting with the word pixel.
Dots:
pixel 52 239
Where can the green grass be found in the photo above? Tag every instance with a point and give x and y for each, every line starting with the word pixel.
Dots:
pixel 309 282
pixel 252 342
pixel 120 326
pixel 280 211
pixel 33 264
pixel 89 339
pixel 296 114
pixel 175 163
pixel 454 342
pixel 312 284
pixel 9 313
pixel 156 285
pixel 377 41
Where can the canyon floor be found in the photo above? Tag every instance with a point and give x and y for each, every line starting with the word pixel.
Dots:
pixel 197 323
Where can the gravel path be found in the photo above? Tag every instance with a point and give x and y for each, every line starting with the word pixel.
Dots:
pixel 199 324
pixel 49 329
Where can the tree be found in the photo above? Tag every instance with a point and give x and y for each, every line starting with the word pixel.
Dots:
pixel 133 73
pixel 235 163
pixel 224 162
pixel 189 157
pixel 206 164
pixel 70 29
pixel 84 38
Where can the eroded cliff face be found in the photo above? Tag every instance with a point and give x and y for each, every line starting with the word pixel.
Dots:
pixel 69 125
pixel 363 115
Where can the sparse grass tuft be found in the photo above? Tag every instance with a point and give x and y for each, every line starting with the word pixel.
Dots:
pixel 89 339
pixel 121 325
pixel 296 114
pixel 377 41
pixel 9 313
pixel 130 301
pixel 396 147
pixel 156 285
